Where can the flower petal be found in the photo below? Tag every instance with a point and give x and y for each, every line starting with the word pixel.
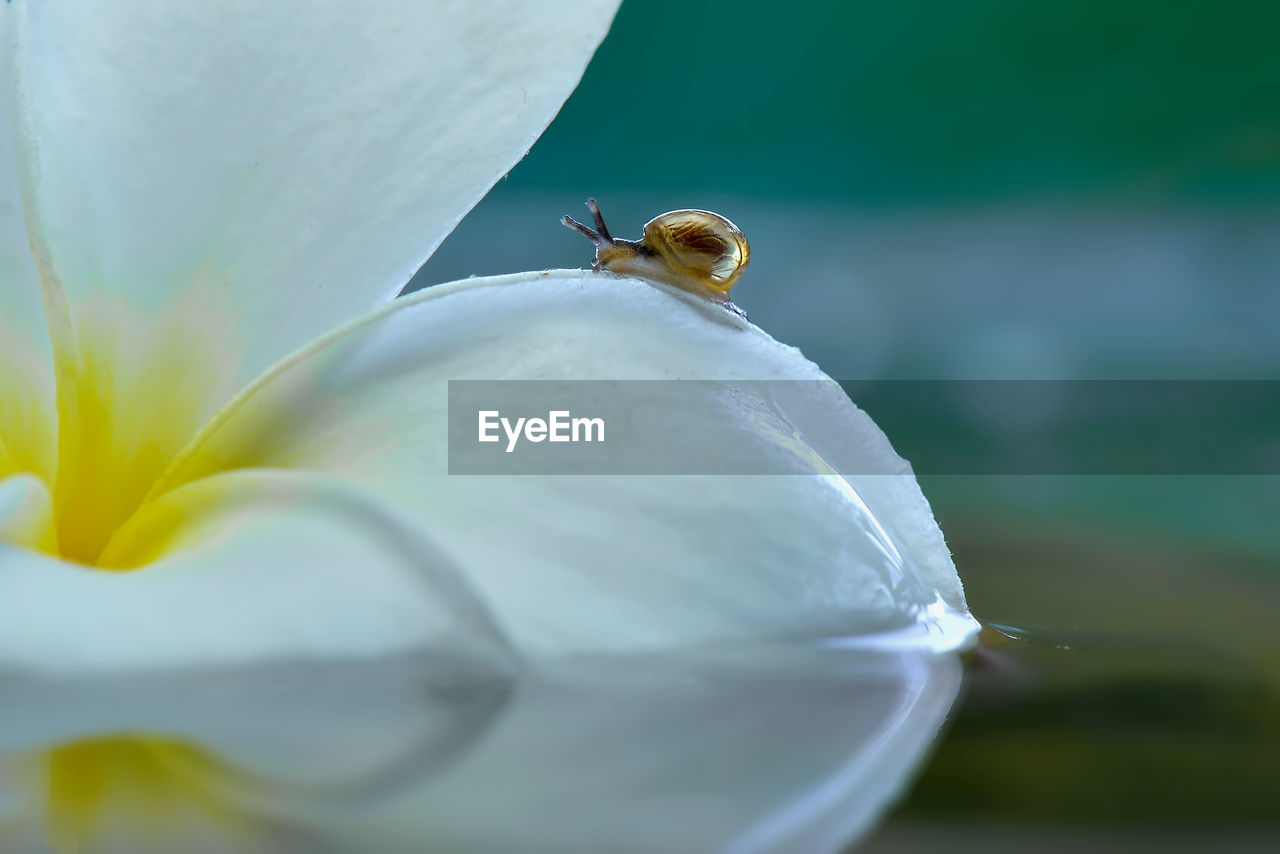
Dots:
pixel 26 513
pixel 613 562
pixel 26 370
pixel 20 309
pixel 285 164
pixel 257 567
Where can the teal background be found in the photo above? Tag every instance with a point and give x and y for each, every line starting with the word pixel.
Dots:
pixel 924 102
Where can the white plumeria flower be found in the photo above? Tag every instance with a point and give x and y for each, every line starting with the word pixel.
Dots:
pixel 191 481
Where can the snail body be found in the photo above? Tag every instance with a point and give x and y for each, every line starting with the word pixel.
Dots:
pixel 695 250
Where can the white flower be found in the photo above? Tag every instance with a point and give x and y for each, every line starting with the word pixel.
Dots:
pixel 193 194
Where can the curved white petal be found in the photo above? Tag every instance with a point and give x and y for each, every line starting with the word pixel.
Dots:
pixel 259 567
pixel 26 371
pixel 20 310
pixel 284 165
pixel 614 562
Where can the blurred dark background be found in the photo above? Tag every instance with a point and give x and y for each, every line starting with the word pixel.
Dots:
pixel 999 189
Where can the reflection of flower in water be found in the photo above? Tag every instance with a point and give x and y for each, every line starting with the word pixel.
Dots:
pixel 257 760
pixel 155 791
pixel 125 793
pixel 749 748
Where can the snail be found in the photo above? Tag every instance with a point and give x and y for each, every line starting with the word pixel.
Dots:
pixel 698 251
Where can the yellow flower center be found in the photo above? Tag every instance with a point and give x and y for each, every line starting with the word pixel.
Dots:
pixel 94 432
pixel 130 394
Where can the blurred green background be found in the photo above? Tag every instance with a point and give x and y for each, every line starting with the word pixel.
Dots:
pixel 894 102
pixel 1060 189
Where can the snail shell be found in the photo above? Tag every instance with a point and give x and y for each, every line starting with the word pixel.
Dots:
pixel 699 251
pixel 700 245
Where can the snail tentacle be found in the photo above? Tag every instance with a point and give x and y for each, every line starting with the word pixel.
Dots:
pixel 599 218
